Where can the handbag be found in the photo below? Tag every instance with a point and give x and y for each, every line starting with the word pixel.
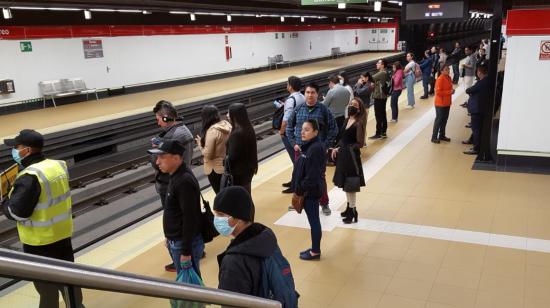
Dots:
pixel 227 178
pixel 353 183
pixel 208 231
pixel 298 203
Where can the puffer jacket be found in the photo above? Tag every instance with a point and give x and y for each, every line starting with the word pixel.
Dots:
pixel 214 147
pixel 310 167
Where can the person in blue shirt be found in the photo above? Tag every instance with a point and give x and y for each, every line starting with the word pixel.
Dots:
pixel 426 67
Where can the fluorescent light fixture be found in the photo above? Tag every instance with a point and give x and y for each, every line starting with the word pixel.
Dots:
pixel 87 14
pixel 210 13
pixel 302 19
pixel 146 12
pixel 192 16
pixel 258 16
pixel 102 10
pixel 282 19
pixel 377 6
pixel 341 5
pixel 400 3
pixel 7 13
pixel 63 9
pixel 228 17
pixel 128 11
pixel 178 12
pixel 33 8
pixel 369 19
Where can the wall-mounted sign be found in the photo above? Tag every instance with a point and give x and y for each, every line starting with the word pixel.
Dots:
pixel 294 35
pixel 92 49
pixel 25 46
pixel 544 50
pixel 331 2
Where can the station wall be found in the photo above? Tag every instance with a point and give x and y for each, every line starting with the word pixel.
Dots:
pixel 139 59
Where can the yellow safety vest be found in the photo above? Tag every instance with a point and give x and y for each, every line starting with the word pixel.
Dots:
pixel 51 220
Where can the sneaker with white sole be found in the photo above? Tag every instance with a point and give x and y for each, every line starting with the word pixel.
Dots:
pixel 326 210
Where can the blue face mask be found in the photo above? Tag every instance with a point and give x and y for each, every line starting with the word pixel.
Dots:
pixel 222 225
pixel 15 155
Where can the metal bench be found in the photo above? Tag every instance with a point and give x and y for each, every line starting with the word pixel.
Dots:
pixel 335 52
pixel 64 87
pixel 276 61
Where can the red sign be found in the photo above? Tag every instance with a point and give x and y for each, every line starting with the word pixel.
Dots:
pixel 544 50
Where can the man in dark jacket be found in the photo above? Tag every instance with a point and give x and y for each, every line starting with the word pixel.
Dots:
pixel 455 58
pixel 479 97
pixel 166 117
pixel 241 263
pixel 182 209
pixel 426 66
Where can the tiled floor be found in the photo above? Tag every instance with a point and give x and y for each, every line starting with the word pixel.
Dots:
pixel 434 238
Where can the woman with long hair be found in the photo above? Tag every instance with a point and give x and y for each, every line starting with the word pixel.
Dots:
pixel 410 79
pixel 349 170
pixel 211 142
pixel 397 88
pixel 242 153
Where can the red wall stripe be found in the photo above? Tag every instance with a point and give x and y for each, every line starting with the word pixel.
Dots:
pixel 37 32
pixel 528 22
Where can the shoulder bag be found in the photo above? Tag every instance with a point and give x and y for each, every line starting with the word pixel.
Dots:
pixel 353 183
pixel 208 231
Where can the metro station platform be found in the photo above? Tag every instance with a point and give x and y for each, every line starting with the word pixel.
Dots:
pixel 431 231
pixel 66 117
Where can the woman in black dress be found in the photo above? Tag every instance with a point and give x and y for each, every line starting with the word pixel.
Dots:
pixel 348 157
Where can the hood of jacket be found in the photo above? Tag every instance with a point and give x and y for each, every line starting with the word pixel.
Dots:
pixel 262 244
pixel 223 126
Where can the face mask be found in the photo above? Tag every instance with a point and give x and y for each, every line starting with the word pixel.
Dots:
pixel 352 110
pixel 15 155
pixel 222 225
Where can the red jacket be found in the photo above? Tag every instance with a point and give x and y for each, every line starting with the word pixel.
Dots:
pixel 397 80
pixel 443 91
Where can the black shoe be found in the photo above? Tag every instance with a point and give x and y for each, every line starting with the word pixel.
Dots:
pixel 434 140
pixel 467 141
pixel 375 137
pixel 170 267
pixel 288 191
pixel 287 184
pixel 444 138
pixel 469 125
pixel 351 217
pixel 423 97
pixel 345 213
pixel 383 136
pixel 471 152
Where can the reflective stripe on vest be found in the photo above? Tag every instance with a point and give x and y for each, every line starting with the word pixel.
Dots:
pixel 51 219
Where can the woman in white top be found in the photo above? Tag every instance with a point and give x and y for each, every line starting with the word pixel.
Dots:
pixel 410 79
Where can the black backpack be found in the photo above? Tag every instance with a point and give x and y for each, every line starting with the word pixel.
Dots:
pixel 279 114
pixel 387 85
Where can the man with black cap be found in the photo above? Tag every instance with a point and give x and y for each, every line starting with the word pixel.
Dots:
pixel 182 210
pixel 40 203
pixel 241 264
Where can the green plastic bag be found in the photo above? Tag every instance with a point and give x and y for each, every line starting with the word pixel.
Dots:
pixel 189 276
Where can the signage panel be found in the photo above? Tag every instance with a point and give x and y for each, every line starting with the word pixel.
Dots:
pixel 434 11
pixel 92 49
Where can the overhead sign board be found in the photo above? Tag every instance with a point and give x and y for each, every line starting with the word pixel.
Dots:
pixel 434 11
pixel 331 2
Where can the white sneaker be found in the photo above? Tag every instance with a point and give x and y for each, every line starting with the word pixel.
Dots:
pixel 326 210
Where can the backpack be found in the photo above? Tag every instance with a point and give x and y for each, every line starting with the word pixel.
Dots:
pixel 279 114
pixel 417 71
pixel 277 281
pixel 387 85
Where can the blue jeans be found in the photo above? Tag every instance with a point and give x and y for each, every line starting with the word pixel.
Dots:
pixel 288 147
pixel 394 108
pixel 197 248
pixel 409 81
pixel 311 206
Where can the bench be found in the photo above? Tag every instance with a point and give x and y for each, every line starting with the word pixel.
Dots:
pixel 64 87
pixel 276 61
pixel 335 52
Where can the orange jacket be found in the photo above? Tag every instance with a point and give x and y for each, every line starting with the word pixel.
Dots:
pixel 443 91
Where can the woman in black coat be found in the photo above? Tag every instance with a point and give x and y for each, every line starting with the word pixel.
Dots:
pixel 308 182
pixel 348 157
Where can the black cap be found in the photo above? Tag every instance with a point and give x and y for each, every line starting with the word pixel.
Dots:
pixel 234 201
pixel 168 146
pixel 26 137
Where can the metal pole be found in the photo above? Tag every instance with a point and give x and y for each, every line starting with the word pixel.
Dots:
pixel 485 155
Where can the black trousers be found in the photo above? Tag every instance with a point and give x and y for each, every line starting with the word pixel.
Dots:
pixel 477 122
pixel 441 117
pixel 49 292
pixel 214 180
pixel 432 84
pixel 456 72
pixel 380 114
pixel 245 180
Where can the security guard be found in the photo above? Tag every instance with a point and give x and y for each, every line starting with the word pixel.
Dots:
pixel 40 203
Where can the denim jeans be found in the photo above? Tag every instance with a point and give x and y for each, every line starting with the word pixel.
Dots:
pixel 409 81
pixel 197 248
pixel 394 108
pixel 311 206
pixel 288 147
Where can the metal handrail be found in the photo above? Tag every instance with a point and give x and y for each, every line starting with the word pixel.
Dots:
pixel 30 267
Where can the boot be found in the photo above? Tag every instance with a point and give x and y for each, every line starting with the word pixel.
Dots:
pixel 351 217
pixel 345 212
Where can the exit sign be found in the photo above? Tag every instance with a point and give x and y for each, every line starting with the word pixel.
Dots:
pixel 25 46
pixel 330 2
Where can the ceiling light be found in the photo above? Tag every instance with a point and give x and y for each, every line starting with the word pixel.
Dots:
pixel 26 8
pixel 87 14
pixel 377 6
pixel 302 19
pixel 334 19
pixel 228 17
pixel 192 16
pixel 7 13
pixel 146 12
pixel 282 19
pixel 102 10
pixel 258 16
pixel 369 19
pixel 341 5
pixel 63 9
pixel 128 11
pixel 178 12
